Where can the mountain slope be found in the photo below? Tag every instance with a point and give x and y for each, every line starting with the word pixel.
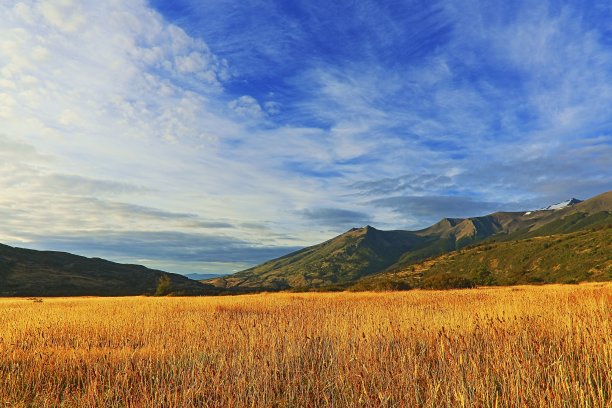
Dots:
pixel 594 212
pixel 565 258
pixel 368 251
pixel 346 258
pixel 360 252
pixel 25 272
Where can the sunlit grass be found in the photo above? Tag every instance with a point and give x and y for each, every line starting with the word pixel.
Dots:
pixel 519 347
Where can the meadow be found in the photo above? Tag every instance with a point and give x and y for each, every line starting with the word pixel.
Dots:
pixel 524 346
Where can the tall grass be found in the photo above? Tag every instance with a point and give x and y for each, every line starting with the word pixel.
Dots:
pixel 505 347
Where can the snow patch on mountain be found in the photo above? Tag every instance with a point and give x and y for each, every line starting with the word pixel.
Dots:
pixel 562 204
pixel 558 206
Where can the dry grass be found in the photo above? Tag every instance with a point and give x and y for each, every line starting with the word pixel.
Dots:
pixel 514 347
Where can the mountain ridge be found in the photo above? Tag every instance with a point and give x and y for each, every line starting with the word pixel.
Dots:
pixel 28 272
pixel 562 204
pixel 361 252
pixel 573 257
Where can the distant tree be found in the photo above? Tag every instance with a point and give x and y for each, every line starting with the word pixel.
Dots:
pixel 164 285
pixel 484 276
pixel 392 286
pixel 447 282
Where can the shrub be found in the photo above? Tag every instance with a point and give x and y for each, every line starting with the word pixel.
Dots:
pixel 439 282
pixel 484 276
pixel 164 284
pixel 379 286
pixel 391 285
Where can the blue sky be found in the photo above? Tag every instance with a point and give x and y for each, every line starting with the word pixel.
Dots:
pixel 209 136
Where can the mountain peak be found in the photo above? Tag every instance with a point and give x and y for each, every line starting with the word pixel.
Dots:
pixel 562 204
pixel 444 226
pixel 366 229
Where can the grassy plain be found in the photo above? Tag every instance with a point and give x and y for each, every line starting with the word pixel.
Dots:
pixel 527 346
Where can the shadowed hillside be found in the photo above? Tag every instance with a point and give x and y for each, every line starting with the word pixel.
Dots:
pixel 25 272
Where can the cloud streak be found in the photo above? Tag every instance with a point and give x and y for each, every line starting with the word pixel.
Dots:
pixel 336 217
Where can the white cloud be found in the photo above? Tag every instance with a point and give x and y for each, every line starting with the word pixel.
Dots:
pixel 272 108
pixel 66 15
pixel 246 106
pixel 7 103
pixel 106 106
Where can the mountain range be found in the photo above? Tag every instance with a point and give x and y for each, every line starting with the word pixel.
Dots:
pixel 361 253
pixel 567 242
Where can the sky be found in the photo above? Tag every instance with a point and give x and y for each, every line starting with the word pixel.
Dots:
pixel 209 136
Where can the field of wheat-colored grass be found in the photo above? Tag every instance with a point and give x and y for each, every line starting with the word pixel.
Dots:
pixel 506 347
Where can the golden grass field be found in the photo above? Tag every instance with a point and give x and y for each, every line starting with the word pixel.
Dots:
pixel 505 347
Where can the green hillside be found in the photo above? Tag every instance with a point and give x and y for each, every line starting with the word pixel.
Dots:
pixel 346 258
pixel 565 258
pixel 361 252
pixel 25 272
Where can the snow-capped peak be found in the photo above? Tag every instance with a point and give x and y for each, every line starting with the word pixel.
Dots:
pixel 562 204
pixel 558 206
